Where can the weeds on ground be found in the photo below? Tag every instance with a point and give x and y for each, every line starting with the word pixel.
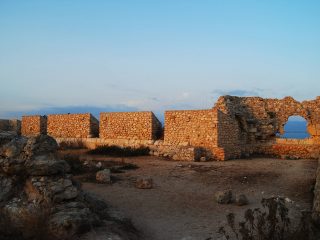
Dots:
pixel 270 223
pixel 116 151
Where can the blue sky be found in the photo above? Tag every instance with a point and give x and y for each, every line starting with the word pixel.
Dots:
pixel 154 55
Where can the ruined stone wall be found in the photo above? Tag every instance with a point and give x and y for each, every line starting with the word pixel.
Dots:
pixel 287 149
pixel 130 125
pixel 13 125
pixel 261 119
pixel 73 125
pixel 157 147
pixel 235 127
pixel 313 111
pixel 33 125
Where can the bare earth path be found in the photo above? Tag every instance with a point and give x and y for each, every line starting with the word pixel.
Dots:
pixel 182 206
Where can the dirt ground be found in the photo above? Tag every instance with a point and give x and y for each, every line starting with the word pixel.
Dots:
pixel 181 205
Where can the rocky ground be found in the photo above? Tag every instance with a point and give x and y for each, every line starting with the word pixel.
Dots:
pixel 181 203
pixel 40 199
pixel 47 194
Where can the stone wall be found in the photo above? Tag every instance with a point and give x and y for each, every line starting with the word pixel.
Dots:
pixel 12 125
pixel 73 125
pixel 259 120
pixel 191 127
pixel 130 125
pixel 33 125
pixel 235 127
pixel 213 131
pixel 157 147
pixel 291 149
pixel 228 138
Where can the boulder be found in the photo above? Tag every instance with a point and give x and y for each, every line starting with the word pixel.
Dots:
pixel 29 218
pixel 144 183
pixel 27 148
pixel 224 197
pixel 13 148
pixel 49 204
pixel 12 166
pixel 71 218
pixel 32 192
pixel 40 145
pixel 6 136
pixel 46 165
pixel 55 189
pixel 96 204
pixel 6 188
pixel 241 200
pixel 103 176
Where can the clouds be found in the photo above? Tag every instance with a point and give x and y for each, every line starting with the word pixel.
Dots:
pixel 94 110
pixel 239 92
pixel 129 57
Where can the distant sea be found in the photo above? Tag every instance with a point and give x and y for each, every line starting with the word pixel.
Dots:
pixel 295 129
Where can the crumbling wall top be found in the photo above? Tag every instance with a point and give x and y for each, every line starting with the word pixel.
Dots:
pixel 260 119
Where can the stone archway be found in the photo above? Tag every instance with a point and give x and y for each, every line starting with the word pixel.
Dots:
pixel 294 110
pixel 295 128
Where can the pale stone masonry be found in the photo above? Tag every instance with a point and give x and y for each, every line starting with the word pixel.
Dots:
pixel 157 147
pixel 259 119
pixel 73 125
pixel 256 122
pixel 130 125
pixel 215 132
pixel 228 137
pixel 235 127
pixel 191 127
pixel 33 125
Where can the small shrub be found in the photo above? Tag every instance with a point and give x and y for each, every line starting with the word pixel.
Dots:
pixel 72 145
pixel 271 223
pixel 116 151
pixel 75 164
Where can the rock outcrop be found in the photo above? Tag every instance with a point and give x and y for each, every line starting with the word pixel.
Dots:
pixel 34 182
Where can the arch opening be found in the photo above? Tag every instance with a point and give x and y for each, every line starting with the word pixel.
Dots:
pixel 295 128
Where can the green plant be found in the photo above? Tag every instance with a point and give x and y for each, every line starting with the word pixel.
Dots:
pixel 271 223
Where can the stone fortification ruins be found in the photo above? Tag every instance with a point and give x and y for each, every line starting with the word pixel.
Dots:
pixel 235 127
pixel 33 125
pixel 130 125
pixel 72 125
